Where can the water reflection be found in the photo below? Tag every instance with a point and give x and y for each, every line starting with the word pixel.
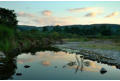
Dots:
pixel 45 63
pixel 7 68
pixel 72 61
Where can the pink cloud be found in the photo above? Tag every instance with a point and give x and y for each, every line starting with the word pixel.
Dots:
pixel 47 13
pixel 113 14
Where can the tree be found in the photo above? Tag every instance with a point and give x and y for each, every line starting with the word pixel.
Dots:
pixel 45 29
pixel 8 23
pixel 106 31
pixel 57 29
pixel 8 17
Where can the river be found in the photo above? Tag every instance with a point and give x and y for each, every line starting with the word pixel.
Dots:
pixel 51 65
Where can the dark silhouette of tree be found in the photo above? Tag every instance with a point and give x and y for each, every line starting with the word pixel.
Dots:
pixel 45 29
pixel 57 29
pixel 8 23
pixel 7 67
pixel 106 31
pixel 8 17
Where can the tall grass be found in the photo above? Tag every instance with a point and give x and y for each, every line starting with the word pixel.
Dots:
pixel 6 37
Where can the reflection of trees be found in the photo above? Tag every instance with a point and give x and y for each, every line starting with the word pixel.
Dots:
pixel 7 67
pixel 77 59
pixel 80 65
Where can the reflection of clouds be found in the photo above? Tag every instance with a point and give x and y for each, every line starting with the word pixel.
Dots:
pixel 93 67
pixel 47 55
pixel 114 67
pixel 46 63
pixel 21 61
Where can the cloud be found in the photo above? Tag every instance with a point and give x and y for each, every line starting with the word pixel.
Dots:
pixel 113 14
pixel 23 14
pixel 47 13
pixel 93 14
pixel 92 11
pixel 80 9
pixel 36 20
pixel 84 9
pixel 46 20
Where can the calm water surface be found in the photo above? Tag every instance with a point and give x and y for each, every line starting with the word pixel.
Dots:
pixel 51 65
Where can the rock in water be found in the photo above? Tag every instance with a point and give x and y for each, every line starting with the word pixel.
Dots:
pixel 26 66
pixel 81 56
pixel 103 71
pixel 118 66
pixel 18 74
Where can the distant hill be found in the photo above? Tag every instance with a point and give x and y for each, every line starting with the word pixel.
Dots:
pixel 114 27
pixel 25 27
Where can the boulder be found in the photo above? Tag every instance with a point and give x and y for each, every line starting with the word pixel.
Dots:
pixel 103 71
pixel 26 66
pixel 81 56
pixel 18 74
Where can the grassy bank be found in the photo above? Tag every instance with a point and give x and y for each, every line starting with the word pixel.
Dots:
pixel 75 39
pixel 101 46
pixel 105 43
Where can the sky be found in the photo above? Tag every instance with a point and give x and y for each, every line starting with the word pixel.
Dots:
pixel 47 13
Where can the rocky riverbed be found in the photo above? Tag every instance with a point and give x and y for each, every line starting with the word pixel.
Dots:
pixel 110 57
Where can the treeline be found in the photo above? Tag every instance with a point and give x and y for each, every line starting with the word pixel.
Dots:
pixel 87 30
pixel 94 30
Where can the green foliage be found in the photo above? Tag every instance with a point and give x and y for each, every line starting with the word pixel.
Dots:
pixel 4 45
pixel 55 35
pixel 97 30
pixel 8 24
pixel 45 29
pixel 6 32
pixel 8 17
pixel 6 37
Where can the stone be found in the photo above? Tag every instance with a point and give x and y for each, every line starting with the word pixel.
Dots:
pixel 118 66
pixel 26 66
pixel 18 74
pixel 103 71
pixel 81 56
